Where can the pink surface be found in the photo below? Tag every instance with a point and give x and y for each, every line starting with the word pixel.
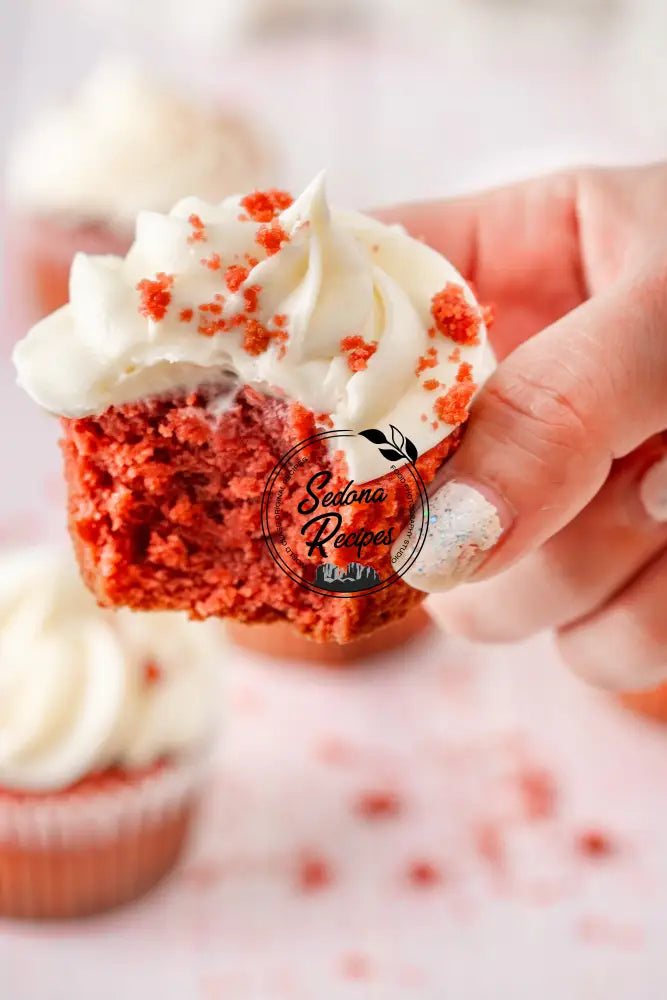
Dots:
pixel 447 728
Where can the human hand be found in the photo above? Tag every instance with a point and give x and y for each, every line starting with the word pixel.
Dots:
pixel 555 504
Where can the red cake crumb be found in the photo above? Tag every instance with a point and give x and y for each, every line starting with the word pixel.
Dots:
pixel 235 275
pixel 262 206
pixel 155 296
pixel 424 873
pixel 251 298
pixel 256 338
pixel 539 794
pixel 428 360
pixel 355 966
pixel 452 408
pixel 152 673
pixel 594 844
pixel 454 316
pixel 378 804
pixel 315 873
pixel 271 238
pixel 186 315
pixel 213 262
pixel 198 234
pixel 358 352
pixel 464 374
pixel 488 316
pixel 280 320
pixel 164 509
pixel 430 384
pixel 455 356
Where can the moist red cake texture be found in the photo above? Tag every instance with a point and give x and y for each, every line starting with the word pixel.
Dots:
pixel 165 513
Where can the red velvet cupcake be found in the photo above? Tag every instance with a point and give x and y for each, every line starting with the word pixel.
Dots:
pixel 103 720
pixel 78 175
pixel 253 402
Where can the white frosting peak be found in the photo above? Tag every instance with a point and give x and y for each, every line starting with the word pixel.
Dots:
pixel 125 143
pixel 335 275
pixel 77 692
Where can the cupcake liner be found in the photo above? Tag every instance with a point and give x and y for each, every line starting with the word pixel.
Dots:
pixel 86 851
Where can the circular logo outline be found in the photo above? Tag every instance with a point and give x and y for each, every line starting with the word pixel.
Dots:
pixel 267 533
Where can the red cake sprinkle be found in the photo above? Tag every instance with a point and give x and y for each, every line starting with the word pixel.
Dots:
pixel 256 338
pixel 539 793
pixel 315 873
pixel 378 804
pixel 262 206
pixel 358 352
pixel 271 238
pixel 594 844
pixel 198 234
pixel 213 263
pixel 155 296
pixel 428 360
pixel 424 873
pixel 355 966
pixel 454 316
pixel 235 275
pixel 209 327
pixel 452 408
pixel 430 384
pixel 464 374
pixel 186 315
pixel 152 673
pixel 250 298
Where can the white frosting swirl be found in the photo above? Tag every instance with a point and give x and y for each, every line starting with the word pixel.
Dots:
pixel 76 690
pixel 125 143
pixel 340 274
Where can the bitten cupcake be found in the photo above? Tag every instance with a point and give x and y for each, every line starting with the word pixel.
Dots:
pixel 104 718
pixel 253 401
pixel 78 175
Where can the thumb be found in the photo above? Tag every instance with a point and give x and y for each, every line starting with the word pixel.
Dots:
pixel 544 431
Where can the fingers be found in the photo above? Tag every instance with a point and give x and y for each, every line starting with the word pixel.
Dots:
pixel 580 568
pixel 544 431
pixel 624 646
pixel 518 245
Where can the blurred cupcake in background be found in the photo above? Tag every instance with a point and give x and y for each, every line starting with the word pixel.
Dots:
pixel 105 719
pixel 78 175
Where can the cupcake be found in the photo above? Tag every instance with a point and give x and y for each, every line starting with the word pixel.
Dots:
pixel 253 402
pixel 104 717
pixel 78 175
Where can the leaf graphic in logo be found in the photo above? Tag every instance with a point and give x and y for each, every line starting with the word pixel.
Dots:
pixel 393 456
pixel 396 437
pixel 411 450
pixel 377 437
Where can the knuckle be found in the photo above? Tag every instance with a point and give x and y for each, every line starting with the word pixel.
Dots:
pixel 542 406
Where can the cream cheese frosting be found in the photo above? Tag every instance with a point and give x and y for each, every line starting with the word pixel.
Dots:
pixel 330 308
pixel 126 143
pixel 82 688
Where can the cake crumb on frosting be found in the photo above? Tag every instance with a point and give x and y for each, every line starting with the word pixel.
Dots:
pixel 155 296
pixel 358 352
pixel 454 316
pixel 262 206
pixel 271 238
pixel 235 275
pixel 452 408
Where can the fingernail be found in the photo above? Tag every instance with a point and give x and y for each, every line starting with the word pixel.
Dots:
pixel 653 491
pixel 463 526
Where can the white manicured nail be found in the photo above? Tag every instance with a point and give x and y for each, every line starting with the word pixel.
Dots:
pixel 653 491
pixel 463 526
